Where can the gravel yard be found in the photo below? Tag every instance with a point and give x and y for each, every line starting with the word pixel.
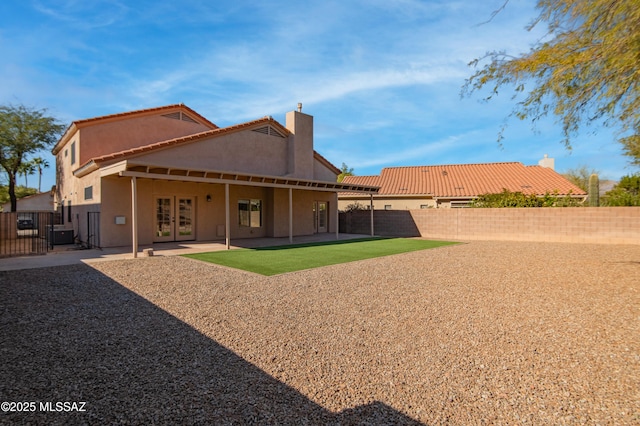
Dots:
pixel 477 333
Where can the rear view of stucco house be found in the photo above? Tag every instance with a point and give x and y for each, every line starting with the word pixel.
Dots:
pixel 455 185
pixel 169 174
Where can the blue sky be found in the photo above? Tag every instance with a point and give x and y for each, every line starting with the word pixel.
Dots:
pixel 382 78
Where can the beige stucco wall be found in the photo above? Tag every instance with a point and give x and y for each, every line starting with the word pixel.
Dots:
pixel 300 152
pixel 115 136
pixel 70 189
pixel 261 154
pixel 70 192
pixel 246 151
pixel 116 195
pixel 64 173
pixel 303 216
pixel 322 172
pixel 210 216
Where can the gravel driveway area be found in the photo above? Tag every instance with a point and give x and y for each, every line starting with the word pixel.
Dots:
pixel 477 333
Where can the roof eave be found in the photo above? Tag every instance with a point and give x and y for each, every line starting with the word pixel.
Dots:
pixel 326 163
pixel 71 130
pixel 144 170
pixel 86 168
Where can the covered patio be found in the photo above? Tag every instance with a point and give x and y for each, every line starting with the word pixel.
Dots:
pixel 137 171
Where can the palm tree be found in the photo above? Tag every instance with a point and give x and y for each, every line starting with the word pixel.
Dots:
pixel 40 163
pixel 26 168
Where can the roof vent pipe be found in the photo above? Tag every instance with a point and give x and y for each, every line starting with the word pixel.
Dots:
pixel 299 106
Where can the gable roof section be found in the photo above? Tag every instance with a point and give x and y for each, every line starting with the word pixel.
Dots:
pixel 467 180
pixel 78 124
pixel 94 163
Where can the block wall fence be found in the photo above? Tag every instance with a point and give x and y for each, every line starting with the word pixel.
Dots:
pixel 602 225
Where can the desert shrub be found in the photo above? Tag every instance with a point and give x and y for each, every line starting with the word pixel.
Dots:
pixel 354 207
pixel 507 198
pixel 625 193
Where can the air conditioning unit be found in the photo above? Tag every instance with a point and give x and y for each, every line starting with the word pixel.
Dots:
pixel 61 236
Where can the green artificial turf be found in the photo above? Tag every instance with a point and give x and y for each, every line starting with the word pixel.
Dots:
pixel 281 259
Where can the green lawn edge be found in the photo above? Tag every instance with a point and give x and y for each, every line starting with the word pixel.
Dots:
pixel 276 260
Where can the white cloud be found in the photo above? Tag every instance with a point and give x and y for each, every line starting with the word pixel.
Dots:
pixel 83 14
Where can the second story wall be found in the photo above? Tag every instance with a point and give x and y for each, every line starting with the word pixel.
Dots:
pixel 322 172
pixel 246 152
pixel 116 136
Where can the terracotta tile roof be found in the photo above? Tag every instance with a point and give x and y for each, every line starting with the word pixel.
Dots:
pixel 364 180
pixel 467 180
pixel 146 111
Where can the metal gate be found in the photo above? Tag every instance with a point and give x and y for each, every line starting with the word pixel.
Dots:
pixel 25 233
pixel 93 230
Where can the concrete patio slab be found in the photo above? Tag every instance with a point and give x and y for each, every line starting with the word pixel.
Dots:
pixel 71 254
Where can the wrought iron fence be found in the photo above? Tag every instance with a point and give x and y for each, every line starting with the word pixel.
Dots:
pixel 93 230
pixel 25 233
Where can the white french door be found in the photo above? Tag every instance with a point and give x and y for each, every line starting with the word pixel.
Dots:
pixel 320 216
pixel 174 219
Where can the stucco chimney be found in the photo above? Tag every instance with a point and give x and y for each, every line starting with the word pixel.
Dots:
pixel 300 144
pixel 547 162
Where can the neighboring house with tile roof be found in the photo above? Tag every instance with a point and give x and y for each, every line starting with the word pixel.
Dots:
pixel 169 174
pixel 454 185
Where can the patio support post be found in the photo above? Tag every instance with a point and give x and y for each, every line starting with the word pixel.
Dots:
pixel 337 217
pixel 290 215
pixel 371 208
pixel 134 216
pixel 227 221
